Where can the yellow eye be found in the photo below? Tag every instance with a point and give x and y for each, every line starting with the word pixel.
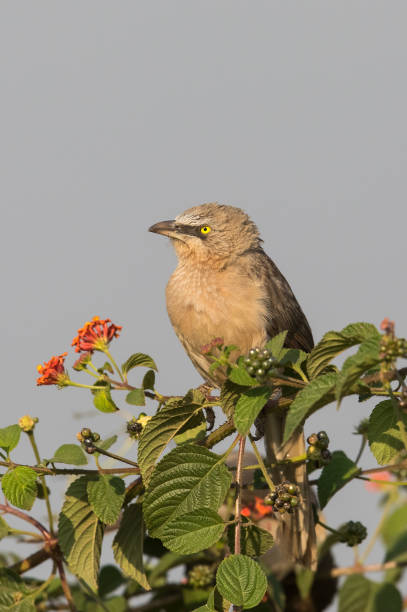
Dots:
pixel 205 229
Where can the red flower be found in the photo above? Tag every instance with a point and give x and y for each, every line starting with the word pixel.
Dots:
pixel 256 509
pixel 376 486
pixel 95 335
pixel 53 372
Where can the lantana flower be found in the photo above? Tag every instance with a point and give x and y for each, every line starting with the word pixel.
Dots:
pixel 95 335
pixel 256 509
pixel 376 486
pixel 27 423
pixel 53 372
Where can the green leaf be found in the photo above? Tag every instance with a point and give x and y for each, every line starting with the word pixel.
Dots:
pixel 316 394
pixel 80 533
pixel 162 428
pixel 110 578
pixel 15 595
pixel 254 541
pixel 240 376
pixel 69 453
pixel 193 432
pixel 353 368
pixel 304 578
pixel 276 345
pixel 137 360
pixel 229 395
pixel 128 545
pixel 106 496
pixel 241 581
pixel 334 342
pixel 4 528
pixel 9 437
pixel 102 400
pixel 20 487
pixel 189 477
pixel 193 531
pixel 394 534
pixel 136 397
pixel 248 407
pixel 358 594
pixel 384 436
pixel 149 380
pixel 334 476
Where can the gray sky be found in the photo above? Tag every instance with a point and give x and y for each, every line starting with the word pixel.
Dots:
pixel 115 115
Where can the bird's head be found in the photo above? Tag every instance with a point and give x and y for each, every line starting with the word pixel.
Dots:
pixel 210 232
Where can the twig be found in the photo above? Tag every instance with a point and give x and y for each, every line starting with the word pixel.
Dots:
pixel 65 585
pixel 261 463
pixel 70 472
pixel 34 446
pixel 117 457
pixel 35 559
pixel 364 569
pixel 6 509
pixel 238 503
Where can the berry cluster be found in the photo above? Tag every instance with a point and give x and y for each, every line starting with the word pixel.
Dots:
pixel 318 447
pixel 136 426
pixel 258 363
pixel 352 533
pixel 88 439
pixel 201 576
pixel 391 348
pixel 284 498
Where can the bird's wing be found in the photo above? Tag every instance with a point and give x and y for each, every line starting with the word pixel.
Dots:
pixel 283 310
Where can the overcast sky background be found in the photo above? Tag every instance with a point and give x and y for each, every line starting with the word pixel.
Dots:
pixel 116 115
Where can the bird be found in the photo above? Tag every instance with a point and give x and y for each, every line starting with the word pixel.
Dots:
pixel 225 285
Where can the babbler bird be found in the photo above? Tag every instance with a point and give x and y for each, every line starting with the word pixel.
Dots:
pixel 226 286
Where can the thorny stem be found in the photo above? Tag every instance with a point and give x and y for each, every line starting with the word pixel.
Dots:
pixel 261 463
pixel 42 479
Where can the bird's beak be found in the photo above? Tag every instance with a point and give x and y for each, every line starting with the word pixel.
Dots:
pixel 166 228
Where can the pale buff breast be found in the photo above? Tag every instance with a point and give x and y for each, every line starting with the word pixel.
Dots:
pixel 225 303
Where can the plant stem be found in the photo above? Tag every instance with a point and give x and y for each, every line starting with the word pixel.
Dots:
pixel 117 457
pixel 71 383
pixel 334 531
pixel 238 503
pixel 42 479
pixel 261 463
pixel 386 510
pixel 65 585
pixel 6 509
pixel 361 449
pixel 116 367
pixel 71 472
pixel 31 534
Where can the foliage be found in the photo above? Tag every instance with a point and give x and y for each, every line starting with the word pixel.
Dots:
pixel 180 504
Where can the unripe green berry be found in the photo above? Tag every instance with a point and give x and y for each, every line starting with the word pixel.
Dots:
pixel 292 489
pixel 251 369
pixel 260 372
pixel 256 363
pixel 86 432
pixel 95 437
pixel 313 452
pixel 252 353
pixel 294 501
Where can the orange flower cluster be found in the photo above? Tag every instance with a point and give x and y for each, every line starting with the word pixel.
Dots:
pixel 95 335
pixel 257 509
pixel 53 372
pixel 387 326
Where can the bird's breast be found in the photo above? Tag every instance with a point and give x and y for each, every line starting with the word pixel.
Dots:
pixel 203 305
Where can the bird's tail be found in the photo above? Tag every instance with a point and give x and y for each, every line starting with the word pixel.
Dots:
pixel 294 534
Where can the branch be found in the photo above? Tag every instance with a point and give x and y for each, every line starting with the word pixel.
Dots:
pixel 6 509
pixel 364 569
pixel 71 472
pixel 35 559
